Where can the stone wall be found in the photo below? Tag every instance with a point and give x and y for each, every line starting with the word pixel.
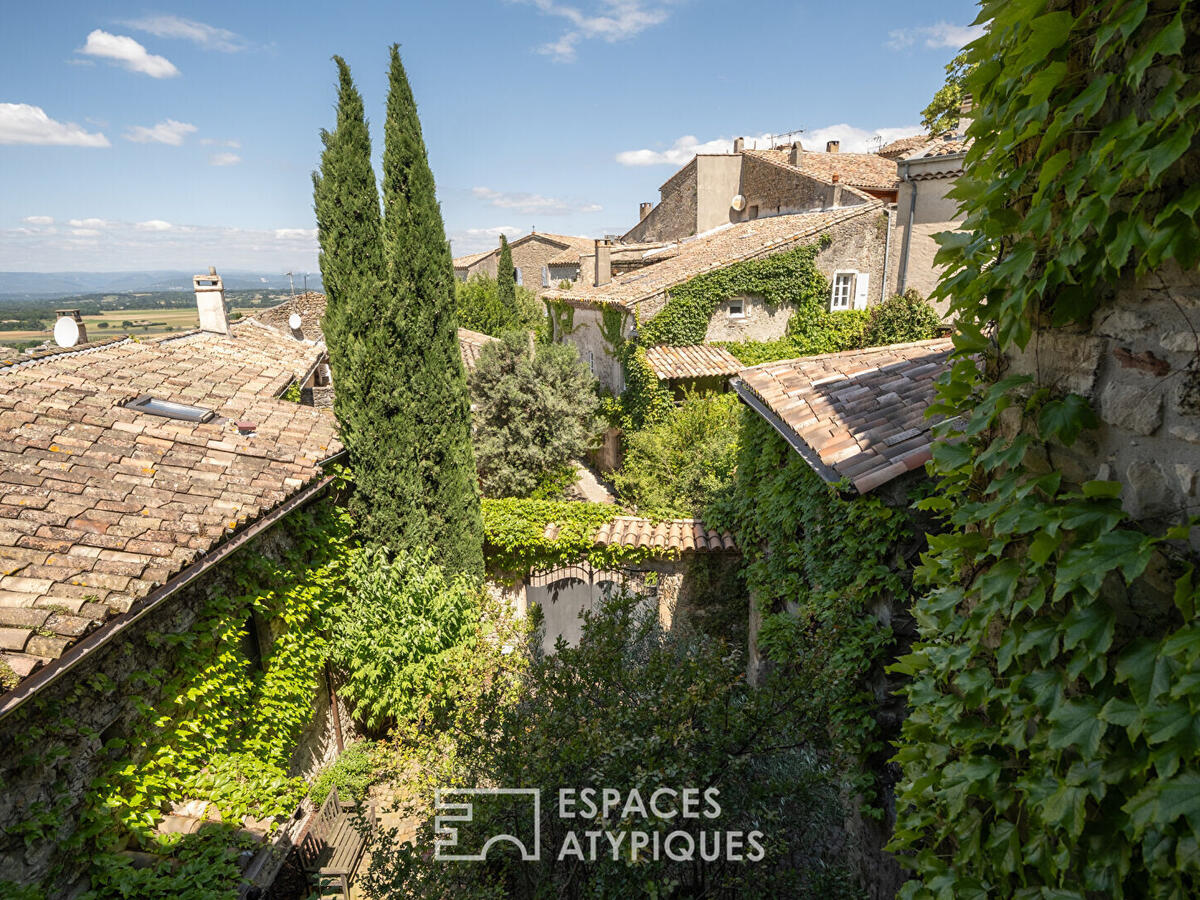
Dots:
pixel 588 337
pixel 99 714
pixel 933 212
pixel 775 190
pixel 718 181
pixel 758 322
pixel 1139 364
pixel 674 217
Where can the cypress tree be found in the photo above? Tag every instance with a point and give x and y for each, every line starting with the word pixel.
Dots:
pixel 348 222
pixel 401 394
pixel 506 286
pixel 431 473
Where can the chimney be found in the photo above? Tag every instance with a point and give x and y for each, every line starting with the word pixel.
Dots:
pixel 210 302
pixel 966 112
pixel 739 144
pixel 603 261
pixel 832 146
pixel 796 154
pixel 644 210
pixel 837 190
pixel 78 319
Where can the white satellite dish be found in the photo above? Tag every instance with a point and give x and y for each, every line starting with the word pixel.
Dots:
pixel 294 321
pixel 738 202
pixel 66 332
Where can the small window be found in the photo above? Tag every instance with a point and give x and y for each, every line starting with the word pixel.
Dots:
pixel 152 406
pixel 545 276
pixel 737 309
pixel 517 276
pixel 843 289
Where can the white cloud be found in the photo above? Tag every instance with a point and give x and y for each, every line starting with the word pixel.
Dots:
pixel 224 159
pixel 532 204
pixel 39 220
pixel 127 52
pixel 207 36
pixel 89 223
pixel 852 139
pixel 213 142
pixel 21 123
pixel 285 234
pixel 154 225
pixel 476 240
pixel 167 132
pixel 941 34
pixel 614 20
pixel 85 232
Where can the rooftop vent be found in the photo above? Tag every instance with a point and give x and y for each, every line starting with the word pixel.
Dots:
pixel 152 406
pixel 210 302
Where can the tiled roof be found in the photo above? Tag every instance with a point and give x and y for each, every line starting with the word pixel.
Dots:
pixel 903 146
pixel 463 262
pixel 470 345
pixel 668 535
pixel 698 361
pixel 568 257
pixel 945 147
pixel 859 170
pixel 711 250
pixel 858 415
pixel 99 504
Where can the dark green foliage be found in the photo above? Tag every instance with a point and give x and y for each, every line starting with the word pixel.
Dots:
pixel 942 113
pixel 480 309
pixel 401 387
pixel 632 708
pixel 506 284
pixel 900 319
pixel 404 624
pixel 532 414
pixel 818 564
pixel 675 465
pixel 1052 749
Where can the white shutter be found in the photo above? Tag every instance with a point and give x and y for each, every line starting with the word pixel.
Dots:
pixel 861 280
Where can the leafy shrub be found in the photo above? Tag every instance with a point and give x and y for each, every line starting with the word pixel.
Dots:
pixel 531 414
pixel 630 708
pixel 480 308
pixel 403 622
pixel 813 329
pixel 352 773
pixel 900 319
pixel 674 466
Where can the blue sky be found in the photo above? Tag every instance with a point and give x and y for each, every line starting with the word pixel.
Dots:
pixel 182 135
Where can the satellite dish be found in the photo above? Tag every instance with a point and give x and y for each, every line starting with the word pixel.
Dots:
pixel 738 202
pixel 294 321
pixel 66 332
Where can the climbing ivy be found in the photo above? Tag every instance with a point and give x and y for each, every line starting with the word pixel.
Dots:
pixel 612 327
pixel 784 279
pixel 214 726
pixel 1052 748
pixel 516 542
pixel 560 317
pixel 820 564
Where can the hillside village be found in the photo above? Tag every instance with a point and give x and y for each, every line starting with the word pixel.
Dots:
pixel 894 554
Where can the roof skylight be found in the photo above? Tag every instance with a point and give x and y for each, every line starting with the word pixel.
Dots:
pixel 153 406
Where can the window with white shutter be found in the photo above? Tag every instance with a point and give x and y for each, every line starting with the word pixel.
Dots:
pixel 843 289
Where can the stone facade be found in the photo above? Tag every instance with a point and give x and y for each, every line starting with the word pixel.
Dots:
pixel 531 256
pixel 675 215
pixel 923 209
pixel 1139 364
pixel 757 320
pixel 587 334
pixel 101 714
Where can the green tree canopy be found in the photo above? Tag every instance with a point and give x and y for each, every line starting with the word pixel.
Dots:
pixel 480 309
pixel 533 414
pixel 942 113
pixel 506 283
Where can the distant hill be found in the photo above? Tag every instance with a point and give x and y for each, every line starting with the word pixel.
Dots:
pixel 32 285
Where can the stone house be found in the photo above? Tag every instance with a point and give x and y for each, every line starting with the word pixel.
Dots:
pixel 131 471
pixel 534 255
pixel 724 188
pixel 853 261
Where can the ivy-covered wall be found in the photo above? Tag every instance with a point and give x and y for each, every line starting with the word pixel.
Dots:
pixel 829 576
pixel 208 697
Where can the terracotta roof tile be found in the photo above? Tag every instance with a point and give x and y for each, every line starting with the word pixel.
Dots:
pixel 670 536
pixel 857 415
pixel 699 361
pixel 858 170
pixel 902 147
pixel 676 263
pixel 100 503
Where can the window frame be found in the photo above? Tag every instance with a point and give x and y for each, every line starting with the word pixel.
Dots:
pixel 848 297
pixel 741 313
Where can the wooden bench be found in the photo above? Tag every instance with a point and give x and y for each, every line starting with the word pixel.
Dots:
pixel 333 847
